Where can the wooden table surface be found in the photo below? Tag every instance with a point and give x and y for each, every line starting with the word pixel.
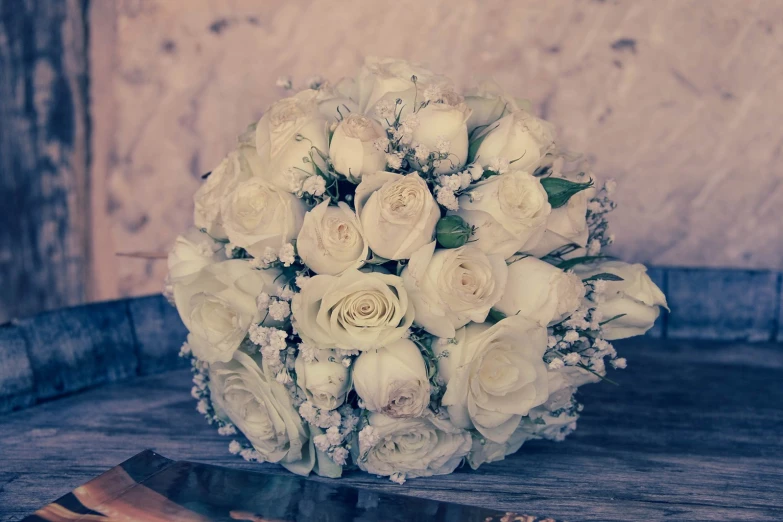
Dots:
pixel 694 432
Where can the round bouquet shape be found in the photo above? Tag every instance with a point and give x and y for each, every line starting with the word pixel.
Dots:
pixel 390 275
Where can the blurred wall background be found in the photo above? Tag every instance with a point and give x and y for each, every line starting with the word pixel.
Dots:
pixel 679 101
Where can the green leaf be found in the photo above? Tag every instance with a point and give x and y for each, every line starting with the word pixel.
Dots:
pixel 603 276
pixel 571 263
pixel 560 190
pixel 495 315
pixel 475 144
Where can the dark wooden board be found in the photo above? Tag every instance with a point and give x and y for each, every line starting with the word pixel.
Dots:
pixel 66 351
pixel 693 433
pixel 17 388
pixel 77 348
pixel 159 334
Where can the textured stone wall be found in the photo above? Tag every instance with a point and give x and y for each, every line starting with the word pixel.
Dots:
pixel 679 101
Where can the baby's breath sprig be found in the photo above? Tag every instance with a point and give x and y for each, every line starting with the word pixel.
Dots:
pixel 577 340
pixel 423 341
pixel 597 223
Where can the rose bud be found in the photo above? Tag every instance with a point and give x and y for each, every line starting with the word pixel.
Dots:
pixel 452 231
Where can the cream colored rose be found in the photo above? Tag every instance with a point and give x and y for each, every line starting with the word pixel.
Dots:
pixel 397 212
pixel 325 381
pixel 239 165
pixel 489 103
pixel 567 225
pixel 257 215
pixel 352 311
pixel 245 391
pixel 451 287
pixel 218 306
pixel 191 252
pixel 393 380
pixel 337 101
pixel 519 137
pixel 636 299
pixel 494 375
pixel 353 151
pixel 414 447
pixel 390 79
pixel 439 122
pixel 540 291
pixel 509 212
pixel 287 134
pixel 331 239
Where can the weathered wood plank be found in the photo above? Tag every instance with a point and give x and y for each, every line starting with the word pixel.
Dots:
pixel 44 186
pixel 693 433
pixel 76 348
pixel 17 389
pixel 728 305
pixel 159 334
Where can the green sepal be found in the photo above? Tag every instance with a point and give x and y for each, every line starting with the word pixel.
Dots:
pixel 603 276
pixel 612 319
pixel 571 263
pixel 475 144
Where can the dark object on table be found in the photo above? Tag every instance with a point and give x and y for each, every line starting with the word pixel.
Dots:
pixel 152 488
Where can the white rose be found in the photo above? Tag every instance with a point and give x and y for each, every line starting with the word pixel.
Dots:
pixel 519 137
pixel 540 291
pixel 438 122
pixel 636 299
pixel 218 306
pixel 353 151
pixel 450 288
pixel 415 447
pixel 352 311
pixel 257 215
pixel 287 134
pixel 390 79
pixel 337 101
pixel 494 375
pixel 245 391
pixel 509 212
pixel 331 239
pixel 397 212
pixel 239 165
pixel 489 103
pixel 567 225
pixel 393 380
pixel 191 252
pixel 325 381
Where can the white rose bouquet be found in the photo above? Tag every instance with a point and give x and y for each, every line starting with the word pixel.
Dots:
pixel 389 276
